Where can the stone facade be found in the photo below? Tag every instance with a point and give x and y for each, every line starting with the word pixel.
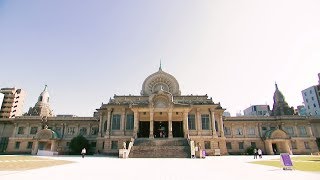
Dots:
pixel 160 113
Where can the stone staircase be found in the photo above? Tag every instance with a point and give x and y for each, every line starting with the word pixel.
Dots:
pixel 160 148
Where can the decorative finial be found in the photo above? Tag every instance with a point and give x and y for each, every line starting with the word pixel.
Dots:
pixel 276 85
pixel 160 68
pixel 45 88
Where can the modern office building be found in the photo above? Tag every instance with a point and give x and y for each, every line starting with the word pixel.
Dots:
pixel 12 104
pixel 257 110
pixel 311 99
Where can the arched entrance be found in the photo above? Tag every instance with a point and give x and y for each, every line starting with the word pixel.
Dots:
pixel 177 128
pixel 160 129
pixel 277 141
pixel 46 142
pixel 144 129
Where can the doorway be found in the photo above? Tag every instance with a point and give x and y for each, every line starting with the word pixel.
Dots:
pixel 160 129
pixel 144 129
pixel 275 148
pixel 177 128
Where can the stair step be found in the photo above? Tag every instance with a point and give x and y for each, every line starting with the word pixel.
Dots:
pixel 160 148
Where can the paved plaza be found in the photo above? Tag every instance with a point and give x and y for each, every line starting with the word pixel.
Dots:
pixel 226 167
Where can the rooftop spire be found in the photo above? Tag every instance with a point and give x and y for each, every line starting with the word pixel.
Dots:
pixel 45 88
pixel 276 85
pixel 160 68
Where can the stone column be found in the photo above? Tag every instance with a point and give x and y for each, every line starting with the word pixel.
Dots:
pixel 295 130
pixel 231 130
pixel 268 146
pixel 287 146
pixel 221 125
pixel 151 124
pixel 309 130
pixel 35 149
pixel 100 123
pixel 136 123
pixel 198 120
pixel 244 130
pixel 213 123
pixel 170 123
pixel 108 122
pixel 53 145
pixel 27 129
pixel 185 124
pixel 123 124
pixel 216 115
pixel 15 129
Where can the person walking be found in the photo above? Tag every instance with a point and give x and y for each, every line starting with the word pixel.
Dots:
pixel 83 152
pixel 255 153
pixel 260 153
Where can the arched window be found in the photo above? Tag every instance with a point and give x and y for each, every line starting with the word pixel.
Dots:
pixel 48 100
pixel 40 98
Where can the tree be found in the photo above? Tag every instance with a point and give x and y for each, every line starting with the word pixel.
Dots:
pixel 249 150
pixel 78 143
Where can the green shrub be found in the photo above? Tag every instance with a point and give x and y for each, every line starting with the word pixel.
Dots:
pixel 249 150
pixel 78 143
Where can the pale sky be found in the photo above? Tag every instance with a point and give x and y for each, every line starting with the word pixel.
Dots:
pixel 87 51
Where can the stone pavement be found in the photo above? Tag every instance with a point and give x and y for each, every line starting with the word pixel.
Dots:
pixel 224 167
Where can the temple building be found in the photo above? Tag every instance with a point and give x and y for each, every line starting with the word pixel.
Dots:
pixel 161 122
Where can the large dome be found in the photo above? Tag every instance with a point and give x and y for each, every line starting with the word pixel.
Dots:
pixel 160 80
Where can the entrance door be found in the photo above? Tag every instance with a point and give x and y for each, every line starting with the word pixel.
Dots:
pixel 160 129
pixel 144 129
pixel 275 148
pixel 177 129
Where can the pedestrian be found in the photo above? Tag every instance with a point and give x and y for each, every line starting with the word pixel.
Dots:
pixel 83 152
pixel 255 153
pixel 260 153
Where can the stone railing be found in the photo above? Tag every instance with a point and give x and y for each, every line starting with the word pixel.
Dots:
pixel 124 153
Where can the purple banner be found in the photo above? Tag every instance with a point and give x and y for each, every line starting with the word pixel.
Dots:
pixel 286 160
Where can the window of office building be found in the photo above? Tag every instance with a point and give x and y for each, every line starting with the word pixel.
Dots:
pixel 228 144
pixel 116 121
pixel 253 144
pixel 251 131
pixel 29 146
pixel 17 145
pixel 71 130
pixel 83 131
pixel 191 122
pixel 239 131
pixel 241 145
pixel 306 145
pixel 205 121
pixel 207 145
pixel 302 130
pixel 114 144
pixel 227 130
pixel 21 130
pixel 289 130
pixel 94 130
pixel 129 122
pixel 33 130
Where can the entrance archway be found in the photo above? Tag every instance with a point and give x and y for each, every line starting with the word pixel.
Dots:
pixel 160 129
pixel 277 141
pixel 144 129
pixel 46 142
pixel 177 128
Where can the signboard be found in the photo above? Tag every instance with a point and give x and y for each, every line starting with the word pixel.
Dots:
pixel 193 150
pixel 286 161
